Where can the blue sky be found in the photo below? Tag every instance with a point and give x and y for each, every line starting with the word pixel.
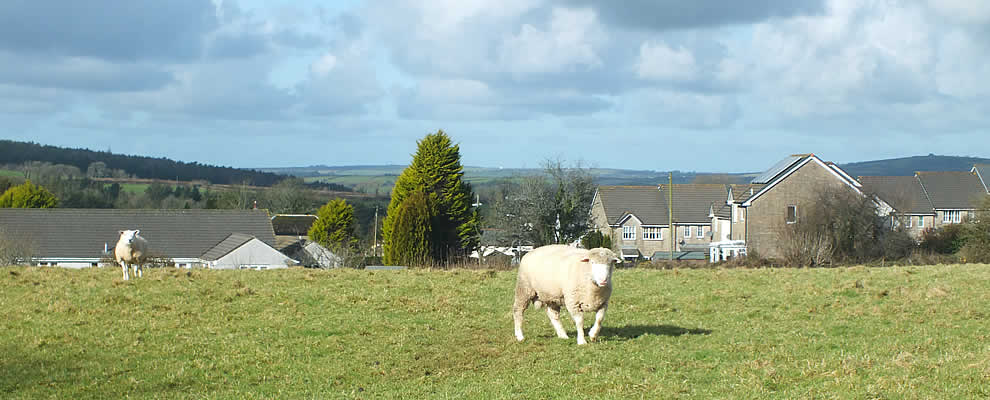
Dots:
pixel 706 85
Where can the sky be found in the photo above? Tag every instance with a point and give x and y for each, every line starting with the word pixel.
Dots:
pixel 702 85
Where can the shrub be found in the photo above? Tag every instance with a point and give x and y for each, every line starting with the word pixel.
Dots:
pixel 947 239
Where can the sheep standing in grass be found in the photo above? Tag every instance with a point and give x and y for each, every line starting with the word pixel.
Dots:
pixel 131 250
pixel 557 275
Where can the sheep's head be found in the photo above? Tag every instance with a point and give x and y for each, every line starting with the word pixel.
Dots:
pixel 128 235
pixel 602 263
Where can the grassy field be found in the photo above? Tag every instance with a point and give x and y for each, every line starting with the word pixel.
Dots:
pixel 914 332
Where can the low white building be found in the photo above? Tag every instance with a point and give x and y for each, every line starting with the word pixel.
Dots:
pixel 83 238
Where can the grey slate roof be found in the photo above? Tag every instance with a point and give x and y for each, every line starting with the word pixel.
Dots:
pixel 226 246
pixel 952 190
pixel 983 172
pixel 904 193
pixel 645 202
pixel 64 232
pixel 692 202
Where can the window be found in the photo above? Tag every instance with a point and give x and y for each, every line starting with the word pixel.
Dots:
pixel 908 225
pixel 921 221
pixel 652 233
pixel 687 231
pixel 701 231
pixel 791 214
pixel 945 217
pixel 628 233
pixel 952 217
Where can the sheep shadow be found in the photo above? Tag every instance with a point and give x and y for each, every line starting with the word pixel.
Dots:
pixel 635 331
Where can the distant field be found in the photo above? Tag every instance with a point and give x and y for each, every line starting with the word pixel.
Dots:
pixel 7 172
pixel 915 332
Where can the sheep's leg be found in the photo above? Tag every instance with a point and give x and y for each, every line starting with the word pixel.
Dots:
pixel 518 308
pixel 599 316
pixel 578 317
pixel 139 270
pixel 554 313
pixel 125 267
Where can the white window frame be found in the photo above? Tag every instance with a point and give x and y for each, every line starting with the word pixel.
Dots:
pixel 628 232
pixel 921 221
pixel 910 222
pixel 701 231
pixel 956 216
pixel 687 231
pixel 787 212
pixel 945 217
pixel 652 233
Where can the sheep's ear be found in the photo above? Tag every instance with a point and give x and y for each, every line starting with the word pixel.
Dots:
pixel 137 231
pixel 120 232
pixel 585 259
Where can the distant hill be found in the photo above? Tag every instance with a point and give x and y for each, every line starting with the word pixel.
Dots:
pixel 18 153
pixel 907 166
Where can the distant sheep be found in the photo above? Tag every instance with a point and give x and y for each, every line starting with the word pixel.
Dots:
pixel 556 275
pixel 131 250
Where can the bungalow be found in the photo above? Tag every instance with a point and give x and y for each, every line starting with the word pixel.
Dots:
pixel 79 238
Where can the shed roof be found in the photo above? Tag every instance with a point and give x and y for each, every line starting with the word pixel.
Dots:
pixel 67 232
pixel 292 224
pixel 904 193
pixel 952 190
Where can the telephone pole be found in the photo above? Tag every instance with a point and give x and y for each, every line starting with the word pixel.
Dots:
pixel 670 214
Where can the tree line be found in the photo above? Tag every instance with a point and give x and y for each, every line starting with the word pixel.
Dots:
pixel 17 153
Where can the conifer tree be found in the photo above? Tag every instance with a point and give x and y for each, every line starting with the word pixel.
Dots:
pixel 410 238
pixel 28 195
pixel 334 226
pixel 436 171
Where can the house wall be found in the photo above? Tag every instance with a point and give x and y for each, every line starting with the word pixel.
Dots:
pixel 940 217
pixel 911 226
pixel 738 223
pixel 646 247
pixel 253 254
pixel 766 214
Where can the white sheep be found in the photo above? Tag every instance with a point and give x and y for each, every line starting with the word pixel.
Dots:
pixel 556 275
pixel 131 250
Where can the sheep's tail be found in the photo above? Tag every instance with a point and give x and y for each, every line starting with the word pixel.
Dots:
pixel 537 304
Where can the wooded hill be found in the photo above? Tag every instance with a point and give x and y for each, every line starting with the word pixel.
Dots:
pixel 16 153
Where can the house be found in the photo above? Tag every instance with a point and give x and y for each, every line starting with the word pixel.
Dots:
pixel 954 195
pixel 908 205
pixel 638 219
pixel 982 171
pixel 779 197
pixel 79 238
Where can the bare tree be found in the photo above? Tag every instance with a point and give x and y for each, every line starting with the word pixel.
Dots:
pixel 552 207
pixel 841 227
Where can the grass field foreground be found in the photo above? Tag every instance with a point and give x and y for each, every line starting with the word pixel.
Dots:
pixel 913 332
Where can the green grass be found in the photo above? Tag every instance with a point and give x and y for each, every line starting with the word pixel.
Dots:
pixel 11 173
pixel 915 332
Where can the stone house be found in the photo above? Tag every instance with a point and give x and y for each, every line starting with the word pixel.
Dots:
pixel 638 218
pixel 780 196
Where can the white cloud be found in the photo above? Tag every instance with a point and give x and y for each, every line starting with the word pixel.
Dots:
pixel 568 42
pixel 657 61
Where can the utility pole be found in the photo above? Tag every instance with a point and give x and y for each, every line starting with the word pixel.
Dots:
pixel 374 245
pixel 670 215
